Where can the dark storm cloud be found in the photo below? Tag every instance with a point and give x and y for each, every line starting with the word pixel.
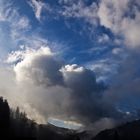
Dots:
pixel 62 90
pixel 127 81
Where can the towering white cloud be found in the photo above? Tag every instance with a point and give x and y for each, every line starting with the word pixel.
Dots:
pixel 74 75
pixel 39 66
pixel 54 89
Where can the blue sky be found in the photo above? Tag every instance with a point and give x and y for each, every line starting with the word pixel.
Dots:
pixel 79 41
pixel 101 36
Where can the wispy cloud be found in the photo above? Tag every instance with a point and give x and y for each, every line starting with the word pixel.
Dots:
pixel 79 9
pixel 123 18
pixel 38 8
pixel 16 24
pixel 10 14
pixel 104 69
pixel 104 39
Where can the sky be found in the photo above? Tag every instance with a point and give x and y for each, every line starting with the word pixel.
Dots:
pixel 74 60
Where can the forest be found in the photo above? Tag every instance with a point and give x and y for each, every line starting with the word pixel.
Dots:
pixel 14 124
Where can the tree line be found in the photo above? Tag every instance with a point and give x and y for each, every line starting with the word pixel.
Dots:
pixel 14 124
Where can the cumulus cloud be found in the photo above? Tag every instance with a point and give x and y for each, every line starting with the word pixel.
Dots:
pixel 53 89
pixel 74 75
pixel 39 66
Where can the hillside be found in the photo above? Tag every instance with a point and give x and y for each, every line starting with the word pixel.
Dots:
pixel 15 125
pixel 128 131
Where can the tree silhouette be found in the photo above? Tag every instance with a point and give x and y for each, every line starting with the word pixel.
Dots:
pixel 4 117
pixel 14 124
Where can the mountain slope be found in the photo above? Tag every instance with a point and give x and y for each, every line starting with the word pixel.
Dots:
pixel 128 131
